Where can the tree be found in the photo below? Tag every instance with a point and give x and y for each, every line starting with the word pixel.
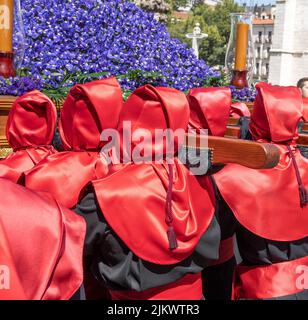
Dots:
pixel 160 8
pixel 219 16
pixel 216 22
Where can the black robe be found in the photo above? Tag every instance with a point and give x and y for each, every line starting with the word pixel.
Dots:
pixel 115 267
pixel 257 251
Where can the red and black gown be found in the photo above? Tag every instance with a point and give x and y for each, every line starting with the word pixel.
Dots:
pixel 210 109
pixel 30 129
pixel 149 233
pixel 267 209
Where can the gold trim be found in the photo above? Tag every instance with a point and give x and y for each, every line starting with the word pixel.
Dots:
pixel 4 152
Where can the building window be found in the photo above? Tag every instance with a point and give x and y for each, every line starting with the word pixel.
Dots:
pixel 258 52
pixel 260 36
pixel 267 69
pixel 270 36
pixel 257 68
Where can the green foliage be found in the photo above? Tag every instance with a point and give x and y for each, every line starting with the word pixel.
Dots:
pixel 178 3
pixel 216 22
pixel 58 95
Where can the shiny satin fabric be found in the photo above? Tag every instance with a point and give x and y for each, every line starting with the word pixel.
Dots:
pixel 45 241
pixel 133 201
pixel 277 114
pixel 267 202
pixel 31 121
pixel 88 110
pixel 270 281
pixel 305 112
pixel 20 161
pixel 187 288
pixel 30 130
pixel 11 288
pixel 239 109
pixel 133 196
pixel 153 108
pixel 210 109
pixel 65 175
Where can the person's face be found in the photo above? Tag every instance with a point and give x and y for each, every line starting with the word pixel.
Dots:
pixel 305 89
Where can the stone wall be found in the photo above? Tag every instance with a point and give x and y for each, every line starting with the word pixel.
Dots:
pixel 289 55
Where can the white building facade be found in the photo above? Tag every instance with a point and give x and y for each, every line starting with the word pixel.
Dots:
pixel 263 30
pixel 289 55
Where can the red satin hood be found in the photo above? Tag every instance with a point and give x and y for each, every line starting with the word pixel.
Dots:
pixel 210 109
pixel 276 113
pixel 30 130
pixel 88 109
pixel 153 108
pixel 31 121
pixel 267 202
pixel 305 112
pixel 239 109
pixel 134 197
pixel 43 243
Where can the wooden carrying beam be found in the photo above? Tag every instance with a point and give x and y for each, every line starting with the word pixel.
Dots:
pixel 246 153
pixel 234 132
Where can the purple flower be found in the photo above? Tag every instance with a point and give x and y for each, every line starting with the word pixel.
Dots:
pixel 66 37
pixel 246 94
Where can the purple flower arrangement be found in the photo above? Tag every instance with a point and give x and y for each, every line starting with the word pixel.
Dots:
pixel 246 94
pixel 100 37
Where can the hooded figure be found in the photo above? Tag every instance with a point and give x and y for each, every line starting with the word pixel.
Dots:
pixel 88 110
pixel 269 207
pixel 41 246
pixel 29 131
pixel 210 109
pixel 150 233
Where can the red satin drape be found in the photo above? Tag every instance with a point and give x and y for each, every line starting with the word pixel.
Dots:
pixel 270 281
pixel 45 242
pixel 11 288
